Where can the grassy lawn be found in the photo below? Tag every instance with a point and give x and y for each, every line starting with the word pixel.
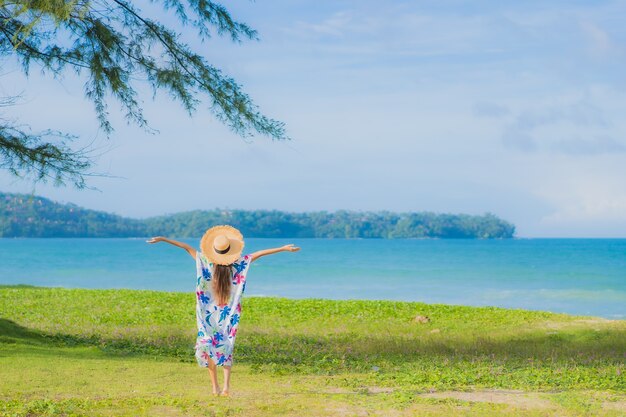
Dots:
pixel 122 352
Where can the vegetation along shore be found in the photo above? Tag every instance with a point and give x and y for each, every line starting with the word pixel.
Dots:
pixel 23 215
pixel 76 352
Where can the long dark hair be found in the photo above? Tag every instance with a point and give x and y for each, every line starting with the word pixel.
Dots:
pixel 221 283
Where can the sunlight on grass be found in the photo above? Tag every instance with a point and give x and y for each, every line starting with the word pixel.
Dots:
pixel 126 352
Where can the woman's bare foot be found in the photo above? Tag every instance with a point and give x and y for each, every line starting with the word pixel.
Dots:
pixel 225 393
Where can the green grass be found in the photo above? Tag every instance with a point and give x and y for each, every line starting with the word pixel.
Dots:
pixel 125 352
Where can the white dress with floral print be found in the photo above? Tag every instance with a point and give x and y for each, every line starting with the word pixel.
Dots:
pixel 217 325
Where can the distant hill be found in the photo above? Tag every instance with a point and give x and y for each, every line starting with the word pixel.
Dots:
pixel 24 215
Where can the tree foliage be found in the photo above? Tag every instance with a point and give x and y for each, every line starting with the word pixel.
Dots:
pixel 28 216
pixel 115 46
pixel 24 215
pixel 23 152
pixel 339 224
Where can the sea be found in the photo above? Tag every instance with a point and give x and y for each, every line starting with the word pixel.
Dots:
pixel 575 276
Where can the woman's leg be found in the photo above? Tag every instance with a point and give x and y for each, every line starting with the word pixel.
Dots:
pixel 213 374
pixel 226 389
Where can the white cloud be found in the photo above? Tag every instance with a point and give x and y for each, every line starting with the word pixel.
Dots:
pixel 335 25
pixel 590 203
pixel 600 43
pixel 585 125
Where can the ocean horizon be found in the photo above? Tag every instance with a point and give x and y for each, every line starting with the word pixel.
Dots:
pixel 564 275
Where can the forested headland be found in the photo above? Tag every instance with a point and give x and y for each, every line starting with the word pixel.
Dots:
pixel 23 215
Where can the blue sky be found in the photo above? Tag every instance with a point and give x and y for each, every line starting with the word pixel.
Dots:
pixel 514 108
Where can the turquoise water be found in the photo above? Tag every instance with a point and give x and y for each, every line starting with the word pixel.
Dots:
pixel 578 276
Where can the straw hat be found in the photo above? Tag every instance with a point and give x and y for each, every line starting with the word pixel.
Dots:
pixel 222 245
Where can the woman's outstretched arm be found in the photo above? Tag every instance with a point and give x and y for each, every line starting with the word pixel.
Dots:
pixel 286 248
pixel 191 251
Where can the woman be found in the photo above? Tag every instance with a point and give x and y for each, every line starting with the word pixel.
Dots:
pixel 221 273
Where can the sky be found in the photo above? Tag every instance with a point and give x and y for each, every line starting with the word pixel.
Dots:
pixel 513 108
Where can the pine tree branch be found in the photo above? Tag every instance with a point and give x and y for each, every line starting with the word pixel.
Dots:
pixel 111 41
pixel 27 155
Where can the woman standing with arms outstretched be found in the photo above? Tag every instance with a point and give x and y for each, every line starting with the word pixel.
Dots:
pixel 221 282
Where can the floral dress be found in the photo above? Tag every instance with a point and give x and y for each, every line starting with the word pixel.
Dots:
pixel 217 325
